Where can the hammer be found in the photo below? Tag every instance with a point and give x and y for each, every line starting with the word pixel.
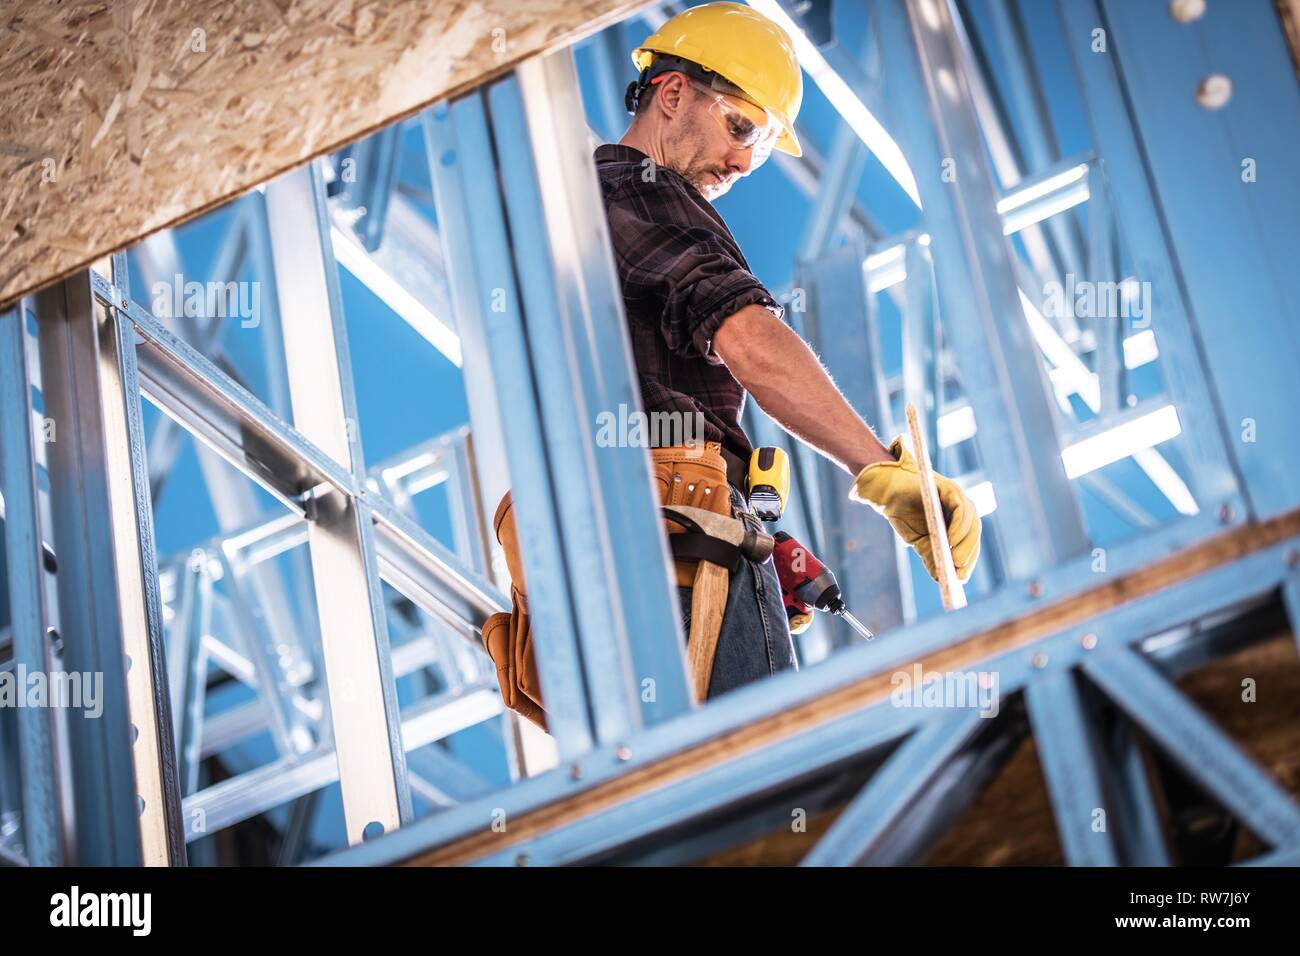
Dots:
pixel 709 591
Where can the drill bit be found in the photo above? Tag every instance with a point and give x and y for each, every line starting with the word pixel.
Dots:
pixel 854 623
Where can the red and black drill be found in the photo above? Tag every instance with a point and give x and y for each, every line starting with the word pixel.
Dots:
pixel 806 583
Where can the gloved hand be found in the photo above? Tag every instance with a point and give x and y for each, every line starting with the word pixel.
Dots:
pixel 894 489
pixel 797 613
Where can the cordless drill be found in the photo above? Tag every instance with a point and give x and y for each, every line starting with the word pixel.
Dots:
pixel 806 583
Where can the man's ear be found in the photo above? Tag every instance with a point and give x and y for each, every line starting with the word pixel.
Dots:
pixel 671 93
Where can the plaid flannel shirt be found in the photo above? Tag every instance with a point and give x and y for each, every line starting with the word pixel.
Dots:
pixel 682 274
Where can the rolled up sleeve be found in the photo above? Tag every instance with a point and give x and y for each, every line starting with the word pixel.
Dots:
pixel 689 276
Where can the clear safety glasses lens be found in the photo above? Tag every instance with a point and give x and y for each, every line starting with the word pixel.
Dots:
pixel 746 126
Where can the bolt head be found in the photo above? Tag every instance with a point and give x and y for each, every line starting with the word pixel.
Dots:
pixel 1214 91
pixel 1186 11
pixel 1039 660
pixel 623 753
pixel 575 772
pixel 1035 589
pixel 1089 641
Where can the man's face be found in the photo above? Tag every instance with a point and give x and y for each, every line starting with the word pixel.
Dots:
pixel 716 140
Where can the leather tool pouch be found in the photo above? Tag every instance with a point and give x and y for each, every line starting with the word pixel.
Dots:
pixel 683 476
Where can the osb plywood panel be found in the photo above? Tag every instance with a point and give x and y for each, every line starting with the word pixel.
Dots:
pixel 120 118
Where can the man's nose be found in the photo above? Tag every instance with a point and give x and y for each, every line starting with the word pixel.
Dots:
pixel 740 161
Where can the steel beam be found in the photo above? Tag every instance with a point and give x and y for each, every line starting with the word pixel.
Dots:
pixel 857 544
pixel 188 667
pixel 367 184
pixel 1223 166
pixel 1035 131
pixel 277 648
pixel 907 772
pixel 497 370
pixel 227 803
pixel 1143 229
pixel 838 186
pixel 354 634
pixel 1141 833
pixel 109 611
pixel 136 565
pixel 758 717
pixel 455 218
pixel 22 471
pixel 1070 755
pixel 1203 751
pixel 709 792
pixel 1003 374
pixel 610 510
pixel 519 319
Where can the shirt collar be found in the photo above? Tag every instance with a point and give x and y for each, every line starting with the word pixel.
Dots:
pixel 618 153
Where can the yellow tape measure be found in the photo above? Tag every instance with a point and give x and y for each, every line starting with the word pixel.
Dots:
pixel 769 482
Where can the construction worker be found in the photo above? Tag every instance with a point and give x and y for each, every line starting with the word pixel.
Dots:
pixel 719 88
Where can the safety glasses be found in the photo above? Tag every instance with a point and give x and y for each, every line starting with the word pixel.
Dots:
pixel 745 125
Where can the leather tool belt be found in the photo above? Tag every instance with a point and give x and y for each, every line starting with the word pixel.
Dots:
pixel 692 476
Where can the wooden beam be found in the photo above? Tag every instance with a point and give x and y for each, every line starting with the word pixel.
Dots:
pixel 121 118
pixel 1051 618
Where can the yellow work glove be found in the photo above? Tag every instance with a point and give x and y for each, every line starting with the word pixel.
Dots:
pixel 800 622
pixel 894 489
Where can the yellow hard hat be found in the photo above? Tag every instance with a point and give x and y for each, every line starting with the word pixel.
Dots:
pixel 743 47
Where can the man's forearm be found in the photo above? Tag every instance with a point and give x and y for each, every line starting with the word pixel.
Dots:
pixel 788 381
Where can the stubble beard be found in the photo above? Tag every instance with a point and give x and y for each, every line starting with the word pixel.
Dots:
pixel 694 166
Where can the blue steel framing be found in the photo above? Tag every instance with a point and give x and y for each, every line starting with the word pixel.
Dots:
pixel 27 586
pixel 100 594
pixel 1220 223
pixel 584 512
pixel 860 730
pixel 853 540
pixel 1080 783
pixel 1132 189
pixel 536 301
pixel 938 130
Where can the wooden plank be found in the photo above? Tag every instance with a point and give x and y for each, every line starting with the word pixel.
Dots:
pixel 117 120
pixel 951 591
pixel 1068 612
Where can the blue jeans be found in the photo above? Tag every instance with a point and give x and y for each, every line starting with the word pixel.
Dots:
pixel 754 641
